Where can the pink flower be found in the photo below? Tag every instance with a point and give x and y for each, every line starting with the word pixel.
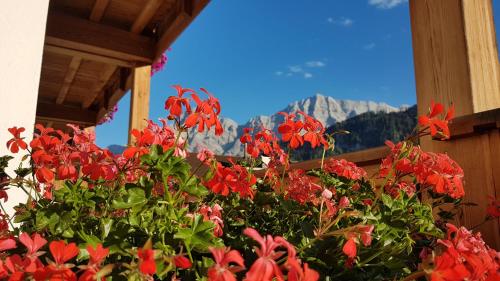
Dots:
pixel 327 194
pixel 213 214
pixel 222 270
pixel 266 268
pixel 205 156
pixel 344 202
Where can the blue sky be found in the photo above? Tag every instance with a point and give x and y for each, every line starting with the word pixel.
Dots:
pixel 258 56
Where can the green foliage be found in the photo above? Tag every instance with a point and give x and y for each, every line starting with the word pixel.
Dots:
pixel 125 217
pixel 402 226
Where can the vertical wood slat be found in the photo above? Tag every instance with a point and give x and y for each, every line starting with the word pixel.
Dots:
pixel 482 50
pixel 456 61
pixel 139 99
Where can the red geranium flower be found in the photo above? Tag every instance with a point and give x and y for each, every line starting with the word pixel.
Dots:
pixel 301 188
pixel 344 169
pixel 314 131
pixel 175 103
pixel 297 273
pixel 222 270
pixel 206 114
pixel 349 248
pixel 7 244
pixel 16 142
pixel 437 126
pixel 290 130
pixel 266 267
pixel 96 257
pixel 147 263
pixel 235 179
pixel 33 244
pixel 62 252
pixel 462 256
pixel 181 261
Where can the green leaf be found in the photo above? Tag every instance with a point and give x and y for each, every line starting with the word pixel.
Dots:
pixel 199 235
pixel 135 197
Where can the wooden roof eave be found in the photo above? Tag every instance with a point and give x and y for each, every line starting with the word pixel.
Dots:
pixel 112 50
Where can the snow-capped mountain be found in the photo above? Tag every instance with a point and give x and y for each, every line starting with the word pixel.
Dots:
pixel 324 108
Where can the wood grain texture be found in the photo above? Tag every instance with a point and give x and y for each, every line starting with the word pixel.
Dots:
pixel 482 54
pixel 455 54
pixel 147 13
pixel 456 61
pixel 106 73
pixel 94 38
pixel 139 100
pixel 98 10
pixel 68 79
pixel 87 56
pixel 61 113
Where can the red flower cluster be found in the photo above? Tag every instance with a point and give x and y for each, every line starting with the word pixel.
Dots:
pixel 153 134
pixel 206 114
pixel 344 169
pixel 213 214
pixel 438 127
pixel 56 155
pixel 22 267
pixel 235 178
pixel 463 256
pixel 266 267
pixel 393 188
pixel 295 132
pixel 263 142
pixel 429 169
pixel 441 172
pixel 301 188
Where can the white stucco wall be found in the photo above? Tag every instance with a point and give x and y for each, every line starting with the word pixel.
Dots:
pixel 22 32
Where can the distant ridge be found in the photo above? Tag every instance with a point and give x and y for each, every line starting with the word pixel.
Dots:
pixel 326 109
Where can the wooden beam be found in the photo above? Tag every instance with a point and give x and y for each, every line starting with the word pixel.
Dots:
pixel 141 21
pixel 98 10
pixel 106 73
pixel 97 39
pixel 456 61
pixel 62 113
pixel 455 54
pixel 189 10
pixel 173 31
pixel 145 16
pixel 68 79
pixel 88 56
pixel 139 99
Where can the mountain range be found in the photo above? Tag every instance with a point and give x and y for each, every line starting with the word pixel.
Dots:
pixel 326 109
pixel 330 111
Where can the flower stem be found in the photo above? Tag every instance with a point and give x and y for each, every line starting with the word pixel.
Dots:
pixel 323 157
pixel 7 216
pixel 414 276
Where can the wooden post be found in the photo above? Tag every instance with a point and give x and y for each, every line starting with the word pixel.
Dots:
pixel 139 99
pixel 456 61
